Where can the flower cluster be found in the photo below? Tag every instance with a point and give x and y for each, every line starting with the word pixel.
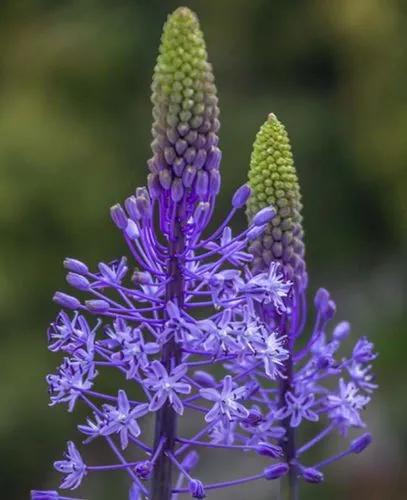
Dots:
pixel 184 306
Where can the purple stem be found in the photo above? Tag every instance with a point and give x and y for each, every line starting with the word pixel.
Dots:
pixel 166 418
pixel 285 385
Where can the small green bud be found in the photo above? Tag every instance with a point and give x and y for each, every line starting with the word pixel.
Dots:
pixel 273 179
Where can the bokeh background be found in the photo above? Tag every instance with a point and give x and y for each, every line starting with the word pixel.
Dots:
pixel 74 139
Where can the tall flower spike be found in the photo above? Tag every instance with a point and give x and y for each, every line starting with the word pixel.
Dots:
pixel 273 179
pixel 301 397
pixel 185 166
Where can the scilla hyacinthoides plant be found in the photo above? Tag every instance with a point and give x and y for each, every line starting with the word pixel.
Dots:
pixel 201 326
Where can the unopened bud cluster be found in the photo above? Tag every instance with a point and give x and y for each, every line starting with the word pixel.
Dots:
pixel 274 181
pixel 186 158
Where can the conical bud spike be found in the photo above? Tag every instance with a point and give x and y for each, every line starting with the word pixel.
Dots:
pixel 185 107
pixel 274 182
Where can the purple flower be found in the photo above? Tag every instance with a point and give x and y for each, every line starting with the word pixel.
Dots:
pixel 270 287
pixel 70 381
pixel 272 353
pixel 112 273
pixel 92 429
pixel 229 249
pixel 298 407
pixel 221 337
pixel 345 406
pixel 134 352
pixel 178 327
pixel 73 467
pixel 226 401
pixel 225 286
pixel 362 376
pixel 166 386
pixel 363 351
pixel 123 419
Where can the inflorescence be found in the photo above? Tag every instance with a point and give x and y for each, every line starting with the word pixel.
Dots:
pixel 202 327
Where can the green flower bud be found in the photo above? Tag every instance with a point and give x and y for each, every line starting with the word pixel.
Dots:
pixel 273 179
pixel 185 112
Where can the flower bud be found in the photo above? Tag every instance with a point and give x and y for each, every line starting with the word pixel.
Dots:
pixel 165 178
pixel 200 213
pixel 188 176
pixel 204 378
pixel 142 278
pixel 75 266
pixel 132 230
pixel 241 196
pixel 78 281
pixel 361 443
pixel 255 417
pixel 312 475
pixel 197 489
pixel 269 450
pixel 44 495
pixel 177 190
pixel 201 184
pixel 131 207
pixel 213 159
pixel 97 305
pixel 154 187
pixel 118 216
pixel 321 299
pixel 214 182
pixel 143 469
pixel 275 471
pixel 191 460
pixel 341 331
pixel 264 216
pixel 329 311
pixel 363 351
pixel 256 232
pixel 143 202
pixel 65 300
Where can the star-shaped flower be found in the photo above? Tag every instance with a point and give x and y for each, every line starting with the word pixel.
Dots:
pixel 226 401
pixel 298 407
pixel 270 287
pixel 73 467
pixel 123 419
pixel 344 407
pixel 272 353
pixel 166 386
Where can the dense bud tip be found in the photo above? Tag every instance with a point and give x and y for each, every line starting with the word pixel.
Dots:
pixel 274 182
pixel 185 114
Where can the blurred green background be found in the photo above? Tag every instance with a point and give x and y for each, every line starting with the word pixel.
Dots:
pixel 74 139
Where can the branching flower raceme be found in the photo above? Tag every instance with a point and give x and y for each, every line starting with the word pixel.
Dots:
pixel 201 326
